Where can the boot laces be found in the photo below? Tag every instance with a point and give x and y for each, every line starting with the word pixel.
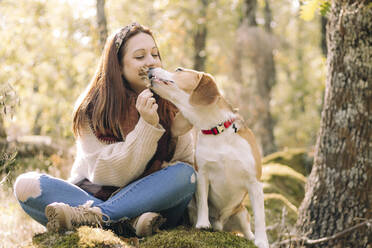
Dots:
pixel 86 214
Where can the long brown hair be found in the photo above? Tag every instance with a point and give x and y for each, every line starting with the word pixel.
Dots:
pixel 108 99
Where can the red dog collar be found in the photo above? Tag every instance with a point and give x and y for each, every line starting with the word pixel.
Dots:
pixel 219 128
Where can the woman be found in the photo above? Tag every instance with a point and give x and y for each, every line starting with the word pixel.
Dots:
pixel 124 140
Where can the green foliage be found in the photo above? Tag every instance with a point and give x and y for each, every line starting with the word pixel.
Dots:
pixel 325 6
pixel 309 8
pixel 48 52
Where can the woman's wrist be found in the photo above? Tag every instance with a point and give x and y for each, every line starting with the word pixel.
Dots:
pixel 150 121
pixel 157 125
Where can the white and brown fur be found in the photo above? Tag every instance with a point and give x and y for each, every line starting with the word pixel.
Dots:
pixel 228 164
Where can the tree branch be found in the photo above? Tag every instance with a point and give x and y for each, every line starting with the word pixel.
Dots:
pixel 316 241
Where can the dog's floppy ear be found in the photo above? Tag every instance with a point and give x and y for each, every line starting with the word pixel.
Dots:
pixel 180 125
pixel 205 93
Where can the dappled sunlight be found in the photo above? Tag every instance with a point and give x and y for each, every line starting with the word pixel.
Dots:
pixel 297 72
pixel 17 228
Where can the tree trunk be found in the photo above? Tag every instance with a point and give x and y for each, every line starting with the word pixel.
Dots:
pixel 200 55
pixel 323 42
pixel 268 17
pixel 339 189
pixel 2 128
pixel 268 80
pixel 101 22
pixel 255 43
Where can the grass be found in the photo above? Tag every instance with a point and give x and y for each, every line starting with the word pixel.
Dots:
pixel 16 227
pixel 193 238
pixel 181 237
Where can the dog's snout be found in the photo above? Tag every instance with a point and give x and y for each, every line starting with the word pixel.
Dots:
pixel 150 73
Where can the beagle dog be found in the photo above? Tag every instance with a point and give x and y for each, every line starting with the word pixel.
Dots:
pixel 227 156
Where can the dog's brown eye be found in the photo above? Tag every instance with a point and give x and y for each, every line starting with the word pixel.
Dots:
pixel 179 69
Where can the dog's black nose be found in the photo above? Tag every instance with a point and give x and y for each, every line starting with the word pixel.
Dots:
pixel 149 73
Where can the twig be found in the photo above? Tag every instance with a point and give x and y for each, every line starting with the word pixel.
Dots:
pixel 4 178
pixel 337 235
pixel 316 241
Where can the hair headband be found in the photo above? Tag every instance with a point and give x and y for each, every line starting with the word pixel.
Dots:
pixel 122 33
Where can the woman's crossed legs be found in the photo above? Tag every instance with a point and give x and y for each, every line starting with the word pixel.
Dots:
pixel 167 191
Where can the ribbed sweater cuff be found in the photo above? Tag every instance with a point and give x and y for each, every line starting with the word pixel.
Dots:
pixel 148 132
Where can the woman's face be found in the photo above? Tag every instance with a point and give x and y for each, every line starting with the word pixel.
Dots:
pixel 140 51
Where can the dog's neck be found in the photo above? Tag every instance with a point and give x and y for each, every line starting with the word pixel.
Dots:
pixel 206 117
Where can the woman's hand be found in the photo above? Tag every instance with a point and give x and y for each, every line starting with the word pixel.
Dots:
pixel 147 107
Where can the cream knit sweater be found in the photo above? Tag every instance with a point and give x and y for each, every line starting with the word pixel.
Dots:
pixel 119 163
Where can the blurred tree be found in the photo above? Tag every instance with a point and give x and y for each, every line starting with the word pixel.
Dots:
pixel 300 70
pixel 2 128
pixel 255 43
pixel 101 21
pixel 338 191
pixel 200 37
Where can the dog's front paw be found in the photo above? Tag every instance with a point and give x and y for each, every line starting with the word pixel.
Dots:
pixel 261 243
pixel 249 235
pixel 218 226
pixel 203 225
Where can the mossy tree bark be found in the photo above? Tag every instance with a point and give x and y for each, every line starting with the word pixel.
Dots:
pixel 339 189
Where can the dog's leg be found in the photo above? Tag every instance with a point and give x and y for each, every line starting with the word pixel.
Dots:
pixel 240 222
pixel 224 216
pixel 202 201
pixel 192 211
pixel 255 190
pixel 219 223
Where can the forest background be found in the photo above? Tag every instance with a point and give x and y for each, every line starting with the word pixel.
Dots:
pixel 50 50
pixel 268 59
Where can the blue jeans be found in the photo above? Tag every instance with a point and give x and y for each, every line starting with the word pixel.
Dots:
pixel 167 191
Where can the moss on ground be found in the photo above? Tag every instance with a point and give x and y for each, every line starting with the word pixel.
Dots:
pixel 298 159
pixel 193 238
pixel 181 237
pixel 84 237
